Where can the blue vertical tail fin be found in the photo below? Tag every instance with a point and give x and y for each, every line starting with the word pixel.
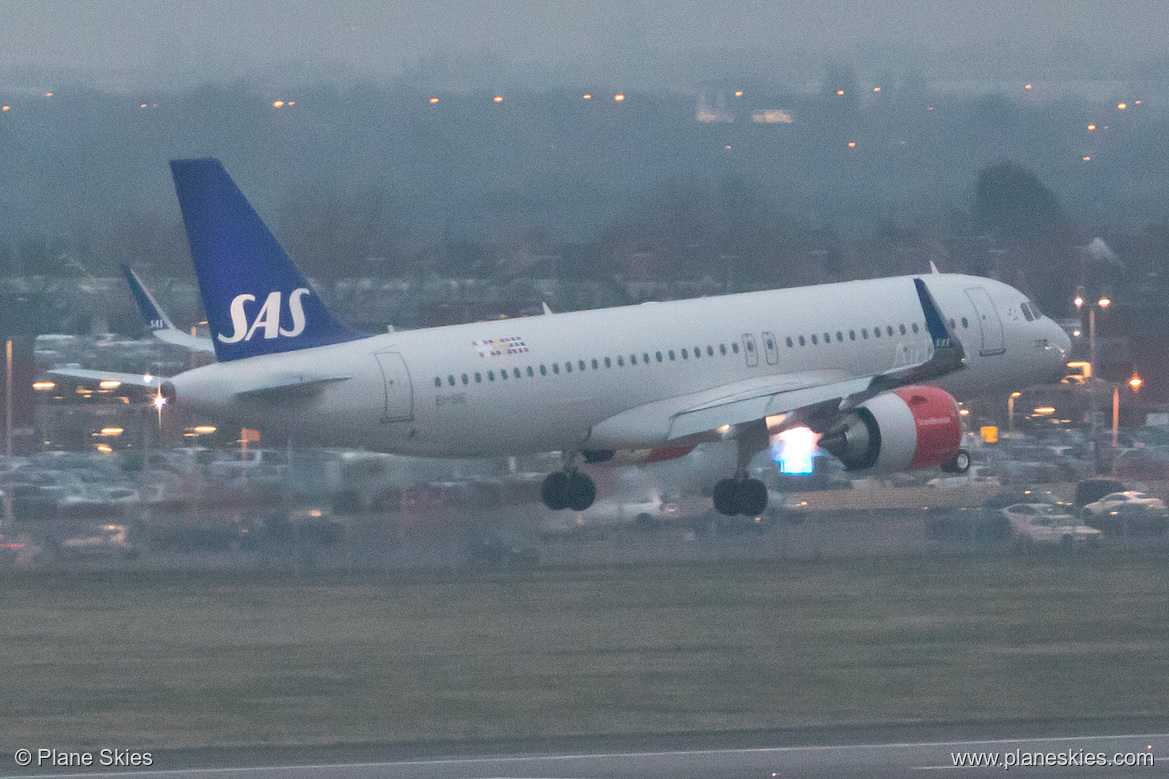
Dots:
pixel 256 300
pixel 152 314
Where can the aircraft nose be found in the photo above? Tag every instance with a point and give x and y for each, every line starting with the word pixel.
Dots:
pixel 1059 347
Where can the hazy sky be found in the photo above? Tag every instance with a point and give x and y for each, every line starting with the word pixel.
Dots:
pixel 146 38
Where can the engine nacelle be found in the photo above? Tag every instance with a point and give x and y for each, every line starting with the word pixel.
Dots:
pixel 900 430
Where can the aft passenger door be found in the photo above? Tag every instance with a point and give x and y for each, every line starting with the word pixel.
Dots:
pixel 988 322
pixel 398 404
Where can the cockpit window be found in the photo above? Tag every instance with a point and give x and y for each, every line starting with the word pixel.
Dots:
pixel 1026 312
pixel 1035 312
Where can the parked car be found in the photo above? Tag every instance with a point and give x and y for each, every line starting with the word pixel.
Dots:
pixel 1043 523
pixel 98 541
pixel 1128 512
pixel 1128 499
pixel 1091 490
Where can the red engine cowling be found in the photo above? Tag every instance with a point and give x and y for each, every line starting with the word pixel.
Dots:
pixel 900 430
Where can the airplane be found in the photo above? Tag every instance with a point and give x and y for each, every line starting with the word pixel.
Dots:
pixel 872 367
pixel 157 322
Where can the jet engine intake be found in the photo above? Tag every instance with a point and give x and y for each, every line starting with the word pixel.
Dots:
pixel 900 430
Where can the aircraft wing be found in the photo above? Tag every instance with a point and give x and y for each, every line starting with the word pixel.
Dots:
pixel 814 394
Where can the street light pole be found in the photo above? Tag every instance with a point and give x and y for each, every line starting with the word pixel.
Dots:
pixel 8 433
pixel 1092 374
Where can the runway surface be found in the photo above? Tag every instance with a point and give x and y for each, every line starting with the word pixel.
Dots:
pixel 932 758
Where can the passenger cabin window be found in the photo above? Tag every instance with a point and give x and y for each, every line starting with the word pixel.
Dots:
pixel 914 326
pixel 814 341
pixel 645 357
pixel 852 335
pixel 789 342
pixel 516 372
pixel 595 364
pixel 555 368
pixel 478 377
pixel 697 351
pixel 608 363
pixel 902 329
pixel 802 341
pixel 543 370
pixel 734 348
pixel 686 356
pixel 633 359
pixel 889 330
pixel 451 380
pixel 531 373
pixel 839 336
pixel 722 349
pixel 865 333
pixel 965 323
pixel 658 355
pixel 437 381
pixel 876 332
pixel 620 362
pixel 710 351
pixel 670 353
pixel 827 338
pixel 465 379
pixel 568 367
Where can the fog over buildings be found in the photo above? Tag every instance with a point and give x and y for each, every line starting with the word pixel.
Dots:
pixel 756 144
pixel 133 44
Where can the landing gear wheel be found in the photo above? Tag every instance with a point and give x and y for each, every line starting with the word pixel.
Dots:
pixel 554 490
pixel 562 490
pixel 960 463
pixel 740 496
pixel 752 497
pixel 725 496
pixel 581 492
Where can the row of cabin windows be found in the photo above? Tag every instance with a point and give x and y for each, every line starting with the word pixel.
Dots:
pixel 608 362
pixel 672 355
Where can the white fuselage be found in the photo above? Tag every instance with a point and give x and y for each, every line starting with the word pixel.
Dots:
pixel 441 391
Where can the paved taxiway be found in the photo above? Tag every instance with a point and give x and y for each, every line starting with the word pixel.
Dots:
pixel 855 760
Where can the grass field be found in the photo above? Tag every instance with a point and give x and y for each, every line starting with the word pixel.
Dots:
pixel 148 661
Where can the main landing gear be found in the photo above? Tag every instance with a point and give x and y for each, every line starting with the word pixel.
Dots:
pixel 568 490
pixel 743 495
pixel 740 495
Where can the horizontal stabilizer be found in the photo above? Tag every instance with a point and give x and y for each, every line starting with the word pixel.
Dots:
pixel 289 388
pixel 86 376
